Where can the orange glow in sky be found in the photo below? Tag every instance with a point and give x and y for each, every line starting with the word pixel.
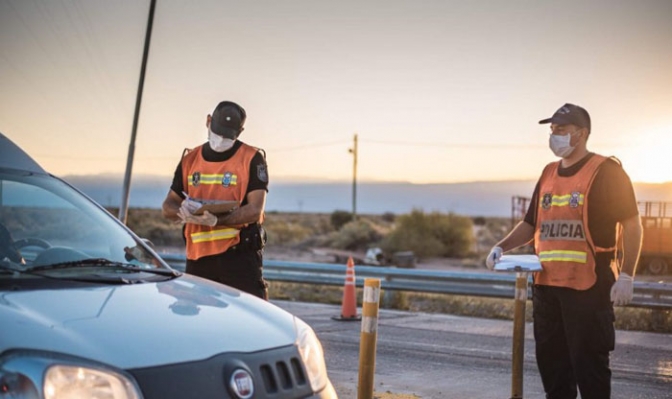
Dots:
pixel 438 91
pixel 650 158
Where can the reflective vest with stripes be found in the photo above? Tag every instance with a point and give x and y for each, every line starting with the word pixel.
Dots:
pixel 205 180
pixel 562 237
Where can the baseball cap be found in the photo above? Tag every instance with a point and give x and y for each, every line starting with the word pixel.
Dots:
pixel 228 119
pixel 569 114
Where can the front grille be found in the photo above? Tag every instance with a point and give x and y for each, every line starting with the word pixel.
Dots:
pixel 282 376
pixel 277 373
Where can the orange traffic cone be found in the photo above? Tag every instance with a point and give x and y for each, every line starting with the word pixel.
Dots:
pixel 349 306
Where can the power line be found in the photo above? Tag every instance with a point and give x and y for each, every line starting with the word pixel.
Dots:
pixel 314 145
pixel 455 145
pixel 476 145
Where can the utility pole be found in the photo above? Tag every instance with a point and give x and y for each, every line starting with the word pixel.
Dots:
pixel 353 151
pixel 123 208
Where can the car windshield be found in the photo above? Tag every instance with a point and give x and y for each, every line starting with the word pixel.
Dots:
pixel 45 225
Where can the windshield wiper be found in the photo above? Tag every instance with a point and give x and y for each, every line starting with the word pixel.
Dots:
pixel 89 262
pixel 10 269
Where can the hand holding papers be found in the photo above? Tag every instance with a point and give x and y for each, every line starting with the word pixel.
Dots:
pixel 217 207
pixel 199 206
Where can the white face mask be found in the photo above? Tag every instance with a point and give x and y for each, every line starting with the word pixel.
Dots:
pixel 560 145
pixel 219 143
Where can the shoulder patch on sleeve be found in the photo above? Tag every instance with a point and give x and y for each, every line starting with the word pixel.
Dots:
pixel 262 174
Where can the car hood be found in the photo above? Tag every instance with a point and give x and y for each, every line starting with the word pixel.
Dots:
pixel 143 325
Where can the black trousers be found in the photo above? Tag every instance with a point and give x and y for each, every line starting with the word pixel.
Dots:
pixel 574 333
pixel 241 269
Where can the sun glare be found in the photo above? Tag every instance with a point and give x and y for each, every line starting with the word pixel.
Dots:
pixel 650 159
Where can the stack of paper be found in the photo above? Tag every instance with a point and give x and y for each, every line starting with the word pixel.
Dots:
pixel 518 263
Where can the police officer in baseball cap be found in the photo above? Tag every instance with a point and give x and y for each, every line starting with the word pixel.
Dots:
pixel 585 272
pixel 225 247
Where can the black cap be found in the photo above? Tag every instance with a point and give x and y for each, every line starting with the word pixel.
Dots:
pixel 570 114
pixel 228 119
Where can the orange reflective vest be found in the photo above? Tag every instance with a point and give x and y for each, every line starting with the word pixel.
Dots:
pixel 562 237
pixel 225 180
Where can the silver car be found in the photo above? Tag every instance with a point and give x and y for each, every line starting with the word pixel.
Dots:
pixel 89 310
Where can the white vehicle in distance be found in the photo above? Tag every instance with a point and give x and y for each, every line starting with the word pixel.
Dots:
pixel 89 310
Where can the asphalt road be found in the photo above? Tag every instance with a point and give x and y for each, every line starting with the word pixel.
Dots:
pixel 444 356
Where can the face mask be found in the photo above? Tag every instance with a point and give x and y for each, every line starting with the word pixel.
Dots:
pixel 560 145
pixel 219 143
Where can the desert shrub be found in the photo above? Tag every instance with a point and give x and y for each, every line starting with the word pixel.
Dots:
pixel 286 233
pixel 388 217
pixel 316 223
pixel 293 228
pixel 455 232
pixel 356 235
pixel 323 226
pixel 433 234
pixel 499 227
pixel 340 219
pixel 479 221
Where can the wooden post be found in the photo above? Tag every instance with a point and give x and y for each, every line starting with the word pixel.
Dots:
pixel 369 335
pixel 518 353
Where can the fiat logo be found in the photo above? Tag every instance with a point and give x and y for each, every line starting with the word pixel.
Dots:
pixel 242 384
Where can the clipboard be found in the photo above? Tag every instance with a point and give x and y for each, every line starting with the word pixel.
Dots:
pixel 212 206
pixel 518 263
pixel 218 207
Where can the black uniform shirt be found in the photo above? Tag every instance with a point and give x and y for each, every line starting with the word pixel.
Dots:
pixel 611 199
pixel 258 179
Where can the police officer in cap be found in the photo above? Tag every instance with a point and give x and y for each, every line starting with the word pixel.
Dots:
pixel 224 247
pixel 584 222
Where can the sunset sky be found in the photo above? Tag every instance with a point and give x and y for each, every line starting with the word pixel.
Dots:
pixel 437 91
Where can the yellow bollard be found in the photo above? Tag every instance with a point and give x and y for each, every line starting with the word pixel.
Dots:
pixel 367 346
pixel 518 336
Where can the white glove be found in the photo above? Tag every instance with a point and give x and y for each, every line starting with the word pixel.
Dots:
pixel 191 205
pixel 621 292
pixel 207 218
pixel 494 257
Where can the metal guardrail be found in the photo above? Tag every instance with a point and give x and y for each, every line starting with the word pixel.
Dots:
pixel 494 285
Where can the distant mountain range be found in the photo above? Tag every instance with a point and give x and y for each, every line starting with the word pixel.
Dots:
pixel 472 199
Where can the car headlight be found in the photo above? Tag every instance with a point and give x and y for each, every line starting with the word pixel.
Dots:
pixel 82 382
pixel 312 355
pixel 26 373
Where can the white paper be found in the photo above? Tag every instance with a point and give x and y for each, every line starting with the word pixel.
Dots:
pixel 518 263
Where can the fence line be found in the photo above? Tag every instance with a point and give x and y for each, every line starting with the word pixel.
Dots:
pixel 493 285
